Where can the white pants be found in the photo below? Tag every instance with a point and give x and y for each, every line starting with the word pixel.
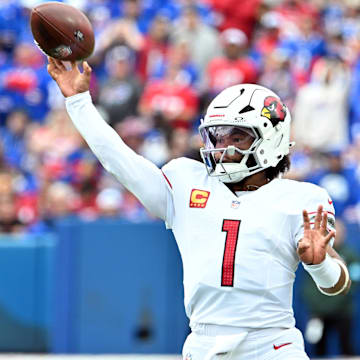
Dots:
pixel 212 342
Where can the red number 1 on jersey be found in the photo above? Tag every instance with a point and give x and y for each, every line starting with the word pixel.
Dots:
pixel 232 233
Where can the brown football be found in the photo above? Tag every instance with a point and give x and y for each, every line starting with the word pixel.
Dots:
pixel 62 31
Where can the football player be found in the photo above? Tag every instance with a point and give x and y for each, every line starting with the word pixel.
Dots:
pixel 241 229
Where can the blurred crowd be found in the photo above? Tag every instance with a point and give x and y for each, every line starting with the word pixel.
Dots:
pixel 156 66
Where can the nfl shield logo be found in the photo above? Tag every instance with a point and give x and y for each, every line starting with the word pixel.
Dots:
pixel 188 356
pixel 61 52
pixel 235 204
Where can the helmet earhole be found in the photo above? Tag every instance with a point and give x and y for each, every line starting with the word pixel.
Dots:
pixel 250 162
pixel 265 124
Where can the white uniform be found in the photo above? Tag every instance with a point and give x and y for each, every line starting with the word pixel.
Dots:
pixel 238 252
pixel 246 243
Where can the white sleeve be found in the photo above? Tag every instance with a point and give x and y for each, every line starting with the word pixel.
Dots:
pixel 139 175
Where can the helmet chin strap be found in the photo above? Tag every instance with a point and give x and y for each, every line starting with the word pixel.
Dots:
pixel 226 173
pixel 225 170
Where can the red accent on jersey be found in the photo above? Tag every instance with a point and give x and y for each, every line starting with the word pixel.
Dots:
pixel 220 115
pixel 199 198
pixel 327 228
pixel 277 347
pixel 167 180
pixel 314 212
pixel 330 201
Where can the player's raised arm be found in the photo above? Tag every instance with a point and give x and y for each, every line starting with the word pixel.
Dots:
pixel 320 260
pixel 137 174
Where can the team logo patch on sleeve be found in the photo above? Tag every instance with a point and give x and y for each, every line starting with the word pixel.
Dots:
pixel 199 198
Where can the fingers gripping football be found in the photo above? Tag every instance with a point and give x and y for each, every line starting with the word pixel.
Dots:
pixel 70 81
pixel 312 247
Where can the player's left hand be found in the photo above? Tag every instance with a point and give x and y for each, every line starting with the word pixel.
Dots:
pixel 312 247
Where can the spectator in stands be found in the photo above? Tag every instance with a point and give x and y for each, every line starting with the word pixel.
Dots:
pixel 169 100
pixel 202 40
pixel 132 209
pixel 100 14
pixel 109 202
pixel 340 180
pixel 268 36
pixel 119 94
pixel 237 14
pixel 9 220
pixel 336 45
pixel 133 131
pixel 320 110
pixel 138 133
pixel 354 95
pixel 57 201
pixel 289 30
pixel 13 138
pixel 277 75
pixel 24 82
pixel 3 164
pixel 234 67
pixel 123 30
pixel 17 174
pixel 51 143
pixel 179 143
pixel 178 57
pixel 132 12
pixel 11 26
pixel 84 177
pixel 155 48
pixel 334 313
pixel 295 12
pixel 305 44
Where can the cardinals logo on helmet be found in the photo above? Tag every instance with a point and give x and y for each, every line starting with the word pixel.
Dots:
pixel 273 109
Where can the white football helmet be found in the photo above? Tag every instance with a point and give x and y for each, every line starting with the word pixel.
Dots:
pixel 253 110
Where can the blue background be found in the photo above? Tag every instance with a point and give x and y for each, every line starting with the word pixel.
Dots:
pixel 100 287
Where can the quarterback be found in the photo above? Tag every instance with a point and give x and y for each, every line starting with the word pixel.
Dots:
pixel 241 229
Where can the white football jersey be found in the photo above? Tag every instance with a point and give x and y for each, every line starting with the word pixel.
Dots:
pixel 238 252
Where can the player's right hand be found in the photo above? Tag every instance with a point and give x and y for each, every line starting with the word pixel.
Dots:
pixel 70 81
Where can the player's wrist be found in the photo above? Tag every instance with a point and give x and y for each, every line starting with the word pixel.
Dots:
pixel 343 284
pixel 326 274
pixel 78 96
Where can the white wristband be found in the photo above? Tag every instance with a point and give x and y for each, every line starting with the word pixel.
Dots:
pixel 325 274
pixel 346 282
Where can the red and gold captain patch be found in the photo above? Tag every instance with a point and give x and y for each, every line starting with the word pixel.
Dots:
pixel 199 198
